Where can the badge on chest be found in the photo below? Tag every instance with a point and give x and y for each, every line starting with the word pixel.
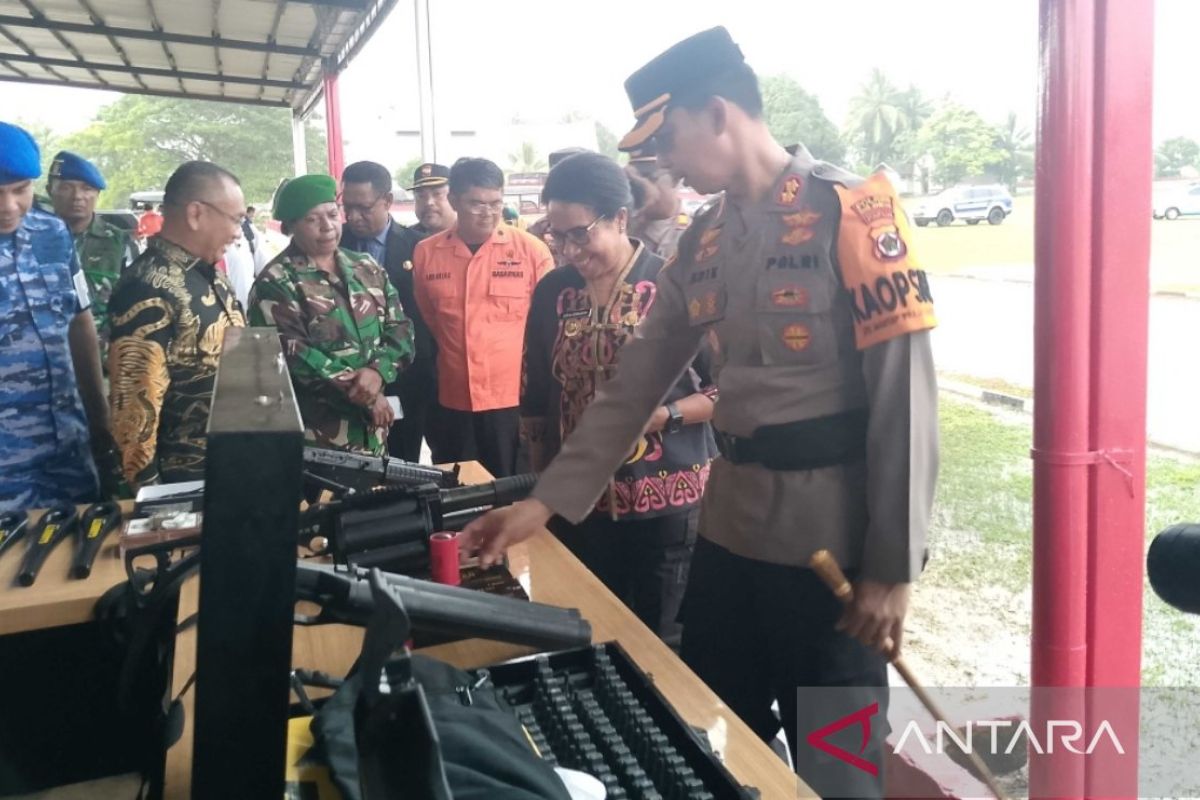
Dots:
pixel 706 303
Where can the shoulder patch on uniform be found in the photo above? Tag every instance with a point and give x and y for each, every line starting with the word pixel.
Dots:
pixel 888 290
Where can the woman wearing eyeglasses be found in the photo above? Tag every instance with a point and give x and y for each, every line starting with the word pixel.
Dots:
pixel 639 538
pixel 344 334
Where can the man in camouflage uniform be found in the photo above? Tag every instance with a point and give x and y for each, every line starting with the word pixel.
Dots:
pixel 50 384
pixel 344 334
pixel 169 313
pixel 104 250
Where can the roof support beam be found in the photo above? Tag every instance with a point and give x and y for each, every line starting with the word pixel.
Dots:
pixel 152 92
pixel 97 19
pixel 36 13
pixel 157 72
pixel 20 72
pixel 158 36
pixel 349 5
pixel 16 40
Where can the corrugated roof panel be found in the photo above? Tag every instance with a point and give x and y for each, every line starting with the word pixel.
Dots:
pixel 145 52
pixel 130 25
pixel 248 20
pixel 297 24
pixel 52 8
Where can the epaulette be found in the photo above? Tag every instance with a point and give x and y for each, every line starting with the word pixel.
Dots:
pixel 716 202
pixel 831 173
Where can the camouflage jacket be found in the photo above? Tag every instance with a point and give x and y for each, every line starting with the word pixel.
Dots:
pixel 104 252
pixel 331 326
pixel 169 313
pixel 44 453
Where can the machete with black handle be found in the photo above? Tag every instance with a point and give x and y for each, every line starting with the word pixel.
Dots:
pixel 13 525
pixel 54 526
pixel 95 525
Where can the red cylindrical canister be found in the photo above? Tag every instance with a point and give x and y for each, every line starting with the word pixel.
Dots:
pixel 443 557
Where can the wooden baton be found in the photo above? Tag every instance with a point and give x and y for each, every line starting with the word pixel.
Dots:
pixel 827 569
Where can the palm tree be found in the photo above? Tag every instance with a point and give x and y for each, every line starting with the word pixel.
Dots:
pixel 1016 144
pixel 914 108
pixel 876 118
pixel 527 159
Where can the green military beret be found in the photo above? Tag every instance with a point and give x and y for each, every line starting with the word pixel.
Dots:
pixel 301 195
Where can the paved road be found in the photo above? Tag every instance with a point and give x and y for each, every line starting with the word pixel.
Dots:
pixel 986 329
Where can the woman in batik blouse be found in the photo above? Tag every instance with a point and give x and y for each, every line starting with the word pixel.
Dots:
pixel 640 536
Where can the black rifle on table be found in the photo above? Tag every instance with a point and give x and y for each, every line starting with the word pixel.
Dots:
pixel 390 528
pixel 353 473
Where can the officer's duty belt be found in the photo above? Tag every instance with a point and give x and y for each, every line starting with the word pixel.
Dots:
pixel 806 444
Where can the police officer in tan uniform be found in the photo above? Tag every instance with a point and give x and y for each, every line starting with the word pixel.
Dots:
pixel 800 279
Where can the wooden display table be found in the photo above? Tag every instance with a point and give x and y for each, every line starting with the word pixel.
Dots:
pixel 547 570
pixel 55 599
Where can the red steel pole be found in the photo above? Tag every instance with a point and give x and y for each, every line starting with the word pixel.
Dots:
pixel 1090 331
pixel 1121 201
pixel 333 122
pixel 1062 314
pixel 1062 295
pixel 1120 320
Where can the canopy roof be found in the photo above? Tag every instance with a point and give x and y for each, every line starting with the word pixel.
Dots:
pixel 263 52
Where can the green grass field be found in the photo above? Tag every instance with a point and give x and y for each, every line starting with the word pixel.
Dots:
pixel 1174 256
pixel 975 592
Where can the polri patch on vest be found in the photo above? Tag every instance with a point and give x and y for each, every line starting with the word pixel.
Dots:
pixel 806 261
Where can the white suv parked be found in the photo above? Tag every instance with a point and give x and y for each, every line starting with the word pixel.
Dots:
pixel 971 203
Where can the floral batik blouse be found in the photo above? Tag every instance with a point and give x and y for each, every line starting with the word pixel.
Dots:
pixel 572 347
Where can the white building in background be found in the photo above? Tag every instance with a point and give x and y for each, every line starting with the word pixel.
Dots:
pixel 394 140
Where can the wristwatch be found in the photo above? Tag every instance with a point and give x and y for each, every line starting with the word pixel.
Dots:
pixel 674 418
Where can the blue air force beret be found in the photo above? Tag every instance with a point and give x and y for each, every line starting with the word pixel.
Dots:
pixel 67 166
pixel 20 159
pixel 681 72
pixel 303 194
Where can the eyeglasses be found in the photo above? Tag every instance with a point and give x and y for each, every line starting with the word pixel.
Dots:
pixel 235 219
pixel 579 236
pixel 479 208
pixel 362 210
